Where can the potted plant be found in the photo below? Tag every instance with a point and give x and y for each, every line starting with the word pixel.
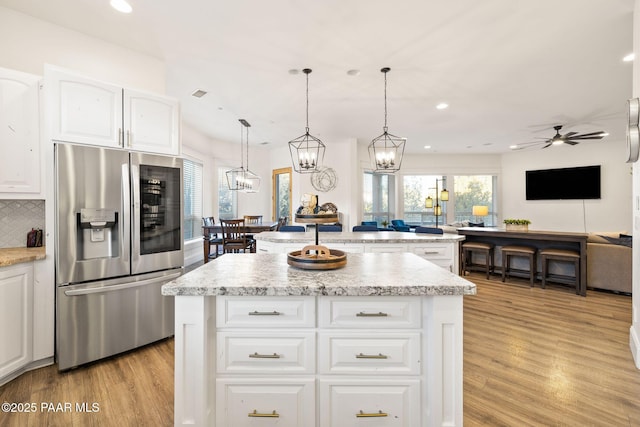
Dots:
pixel 385 223
pixel 517 224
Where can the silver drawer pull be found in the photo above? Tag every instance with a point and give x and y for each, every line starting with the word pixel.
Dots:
pixel 255 413
pixel 371 414
pixel 371 356
pixel 264 313
pixel 431 252
pixel 378 314
pixel 256 355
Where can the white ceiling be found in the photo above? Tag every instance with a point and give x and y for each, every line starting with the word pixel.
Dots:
pixel 510 69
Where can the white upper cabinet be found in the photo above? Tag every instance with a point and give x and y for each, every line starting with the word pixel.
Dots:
pixel 86 111
pixel 20 154
pixel 151 122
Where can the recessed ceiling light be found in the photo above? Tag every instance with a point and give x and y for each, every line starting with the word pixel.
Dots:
pixel 427 147
pixel 630 57
pixel 121 6
pixel 353 72
pixel 199 93
pixel 442 106
pixel 513 147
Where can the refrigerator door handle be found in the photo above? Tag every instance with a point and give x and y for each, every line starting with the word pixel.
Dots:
pixel 135 215
pixel 125 248
pixel 111 288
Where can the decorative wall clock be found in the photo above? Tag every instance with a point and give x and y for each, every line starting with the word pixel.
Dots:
pixel 324 179
pixel 633 134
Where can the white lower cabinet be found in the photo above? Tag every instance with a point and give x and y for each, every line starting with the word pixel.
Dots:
pixel 264 402
pixel 357 402
pixel 16 318
pixel 319 361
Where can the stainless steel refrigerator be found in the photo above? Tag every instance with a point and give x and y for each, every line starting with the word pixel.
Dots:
pixel 118 239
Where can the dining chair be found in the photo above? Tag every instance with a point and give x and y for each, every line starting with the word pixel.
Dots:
pixel 282 221
pixel 292 228
pixel 253 219
pixel 212 238
pixel 364 228
pixel 333 227
pixel 234 238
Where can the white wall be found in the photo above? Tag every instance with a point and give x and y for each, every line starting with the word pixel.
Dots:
pixel 610 213
pixel 26 44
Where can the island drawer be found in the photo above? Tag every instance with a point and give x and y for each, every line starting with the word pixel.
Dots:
pixel 265 312
pixel 284 352
pixel 357 353
pixel 369 312
pixel 384 403
pixel 434 251
pixel 265 402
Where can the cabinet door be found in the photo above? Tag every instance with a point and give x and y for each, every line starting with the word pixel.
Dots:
pixel 20 163
pixel 83 110
pixel 265 402
pixel 380 403
pixel 152 123
pixel 16 314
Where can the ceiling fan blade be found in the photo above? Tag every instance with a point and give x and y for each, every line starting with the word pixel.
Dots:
pixel 548 145
pixel 584 138
pixel 570 142
pixel 568 135
pixel 594 135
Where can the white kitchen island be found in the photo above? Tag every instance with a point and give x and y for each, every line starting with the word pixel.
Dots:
pixel 261 343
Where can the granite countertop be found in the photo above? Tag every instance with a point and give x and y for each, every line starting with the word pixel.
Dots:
pixel 11 256
pixel 365 274
pixel 357 237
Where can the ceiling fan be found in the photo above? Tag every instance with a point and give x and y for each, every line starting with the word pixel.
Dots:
pixel 569 138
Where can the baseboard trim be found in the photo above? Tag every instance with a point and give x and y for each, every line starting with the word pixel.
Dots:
pixel 634 344
pixel 30 367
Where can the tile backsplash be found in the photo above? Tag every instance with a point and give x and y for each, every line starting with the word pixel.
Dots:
pixel 17 218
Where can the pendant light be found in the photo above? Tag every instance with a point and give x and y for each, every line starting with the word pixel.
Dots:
pixel 386 150
pixel 307 151
pixel 241 179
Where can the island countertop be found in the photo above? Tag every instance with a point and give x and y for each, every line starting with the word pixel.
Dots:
pixel 356 237
pixel 365 274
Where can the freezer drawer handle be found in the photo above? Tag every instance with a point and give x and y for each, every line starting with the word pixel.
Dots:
pixel 264 313
pixel 99 290
pixel 264 356
pixel 371 414
pixel 378 314
pixel 371 356
pixel 255 413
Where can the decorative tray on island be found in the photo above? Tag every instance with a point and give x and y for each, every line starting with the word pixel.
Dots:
pixel 317 257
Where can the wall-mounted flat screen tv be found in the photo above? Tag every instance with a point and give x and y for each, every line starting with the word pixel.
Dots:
pixel 564 184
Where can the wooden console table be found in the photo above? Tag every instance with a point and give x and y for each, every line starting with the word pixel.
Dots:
pixel 537 239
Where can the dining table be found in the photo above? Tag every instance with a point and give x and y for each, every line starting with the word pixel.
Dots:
pixel 208 230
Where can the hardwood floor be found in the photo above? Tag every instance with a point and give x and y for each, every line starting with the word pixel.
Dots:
pixel 532 357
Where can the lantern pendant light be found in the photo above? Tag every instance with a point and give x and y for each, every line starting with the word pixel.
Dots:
pixel 386 150
pixel 307 151
pixel 241 179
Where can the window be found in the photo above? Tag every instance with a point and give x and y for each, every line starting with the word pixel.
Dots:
pixel 378 197
pixel 227 199
pixel 471 190
pixel 281 182
pixel 192 177
pixel 416 189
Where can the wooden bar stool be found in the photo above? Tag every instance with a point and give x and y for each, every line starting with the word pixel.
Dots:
pixel 486 249
pixel 519 251
pixel 560 255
